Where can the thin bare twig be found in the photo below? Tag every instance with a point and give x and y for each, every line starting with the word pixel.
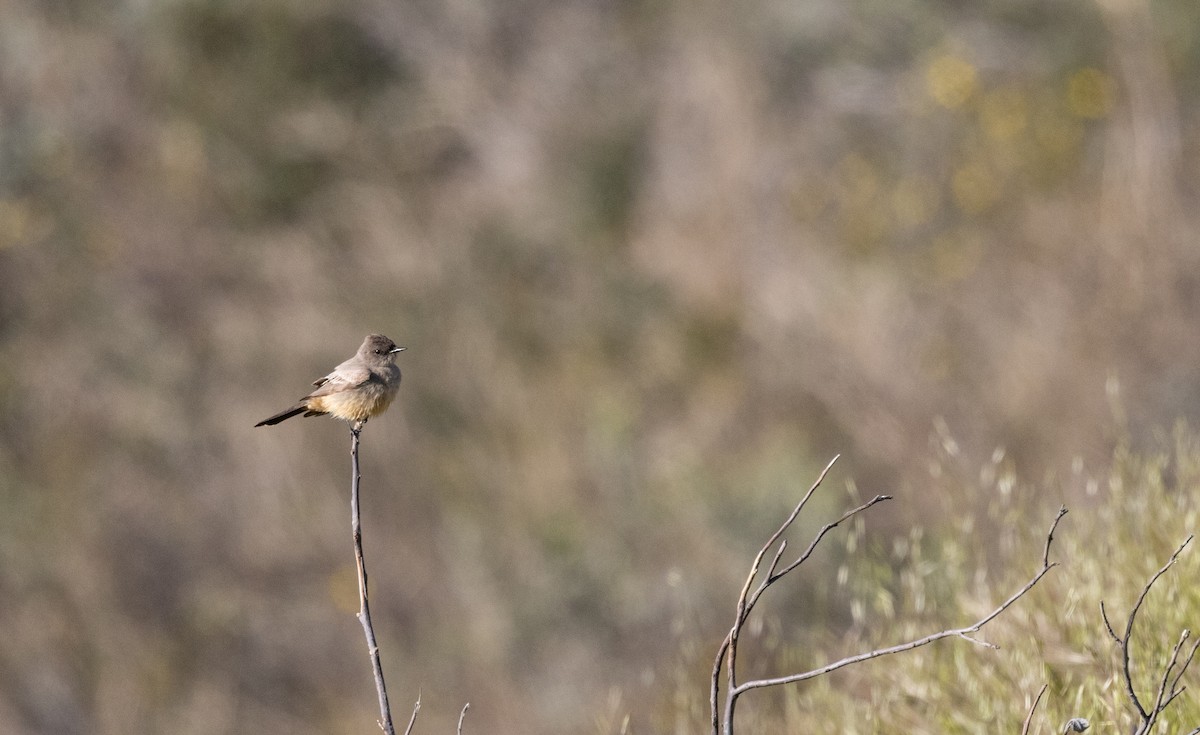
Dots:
pixel 1184 667
pixel 364 611
pixel 413 720
pixel 1166 692
pixel 1036 700
pixel 1062 511
pixel 462 716
pixel 1168 688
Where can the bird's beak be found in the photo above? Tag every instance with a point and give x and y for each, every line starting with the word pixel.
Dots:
pixel 394 350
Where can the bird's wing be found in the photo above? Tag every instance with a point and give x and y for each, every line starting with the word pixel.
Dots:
pixel 342 378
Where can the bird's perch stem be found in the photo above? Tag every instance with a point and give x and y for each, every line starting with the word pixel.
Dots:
pixel 364 610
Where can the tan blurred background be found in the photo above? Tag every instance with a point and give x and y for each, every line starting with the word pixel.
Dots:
pixel 654 263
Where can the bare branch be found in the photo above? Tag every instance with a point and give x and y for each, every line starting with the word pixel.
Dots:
pixel 775 561
pixel 1036 700
pixel 727 651
pixel 413 720
pixel 978 642
pixel 714 687
pixel 364 610
pixel 744 605
pixel 1146 590
pixel 1186 663
pixel 1173 696
pixel 727 654
pixel 824 530
pixel 960 632
pixel 1166 692
pixel 1108 626
pixel 773 576
pixel 462 716
pixel 1062 511
pixel 1168 688
pixel 792 518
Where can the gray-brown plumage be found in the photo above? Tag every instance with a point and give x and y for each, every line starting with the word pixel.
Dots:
pixel 356 390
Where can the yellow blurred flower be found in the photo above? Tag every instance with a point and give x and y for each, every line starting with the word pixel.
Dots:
pixel 951 81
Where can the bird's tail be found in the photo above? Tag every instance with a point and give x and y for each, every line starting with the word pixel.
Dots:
pixel 282 416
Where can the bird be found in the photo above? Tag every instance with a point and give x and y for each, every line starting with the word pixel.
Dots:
pixel 358 389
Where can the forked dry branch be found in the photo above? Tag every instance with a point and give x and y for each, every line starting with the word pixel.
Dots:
pixel 726 659
pixel 1168 685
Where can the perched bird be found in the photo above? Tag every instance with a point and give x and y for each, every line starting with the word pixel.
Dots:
pixel 356 390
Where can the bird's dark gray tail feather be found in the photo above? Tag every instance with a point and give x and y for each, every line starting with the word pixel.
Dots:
pixel 282 416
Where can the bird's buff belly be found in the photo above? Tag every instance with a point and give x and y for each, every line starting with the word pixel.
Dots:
pixel 353 405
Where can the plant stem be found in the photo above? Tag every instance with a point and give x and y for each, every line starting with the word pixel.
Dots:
pixel 364 611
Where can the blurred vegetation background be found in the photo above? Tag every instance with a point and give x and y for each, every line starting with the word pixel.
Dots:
pixel 654 262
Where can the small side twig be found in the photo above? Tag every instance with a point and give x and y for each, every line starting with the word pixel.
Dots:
pixel 462 716
pixel 413 720
pixel 1036 700
pixel 1168 687
pixel 364 610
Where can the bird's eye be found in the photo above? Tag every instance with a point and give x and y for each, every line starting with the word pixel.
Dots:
pixel 378 352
